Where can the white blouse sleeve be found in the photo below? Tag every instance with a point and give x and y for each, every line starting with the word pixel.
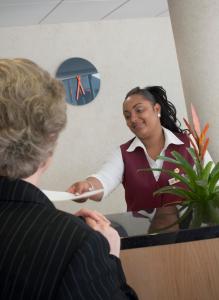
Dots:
pixel 111 173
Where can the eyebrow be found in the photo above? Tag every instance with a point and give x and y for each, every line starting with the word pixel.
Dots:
pixel 132 107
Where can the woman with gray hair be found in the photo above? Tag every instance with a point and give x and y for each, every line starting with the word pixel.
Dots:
pixel 46 253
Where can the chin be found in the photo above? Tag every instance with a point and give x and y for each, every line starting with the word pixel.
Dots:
pixel 141 136
pixel 141 133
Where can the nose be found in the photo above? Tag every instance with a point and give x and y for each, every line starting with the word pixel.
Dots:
pixel 133 117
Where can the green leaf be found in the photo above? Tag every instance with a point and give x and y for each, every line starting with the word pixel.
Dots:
pixel 215 199
pixel 213 181
pixel 203 183
pixel 205 174
pixel 196 160
pixel 211 214
pixel 171 160
pixel 185 166
pixel 197 218
pixel 181 178
pixel 215 170
pixel 186 194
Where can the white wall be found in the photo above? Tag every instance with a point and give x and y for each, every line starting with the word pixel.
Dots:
pixel 195 26
pixel 126 53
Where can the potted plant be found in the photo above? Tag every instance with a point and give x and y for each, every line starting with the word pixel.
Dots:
pixel 200 193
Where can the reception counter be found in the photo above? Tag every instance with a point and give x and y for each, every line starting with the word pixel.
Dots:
pixel 133 228
pixel 175 264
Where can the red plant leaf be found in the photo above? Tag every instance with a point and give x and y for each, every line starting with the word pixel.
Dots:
pixel 204 148
pixel 195 119
pixel 195 147
pixel 194 134
pixel 203 134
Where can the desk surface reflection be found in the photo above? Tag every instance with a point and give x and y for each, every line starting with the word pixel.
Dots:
pixel 134 229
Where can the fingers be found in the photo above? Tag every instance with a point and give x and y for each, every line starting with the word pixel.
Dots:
pixel 102 225
pixel 79 187
pixel 91 222
pixel 80 200
pixel 93 214
pixel 87 185
pixel 71 189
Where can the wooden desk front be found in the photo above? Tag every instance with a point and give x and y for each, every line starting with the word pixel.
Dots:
pixel 182 271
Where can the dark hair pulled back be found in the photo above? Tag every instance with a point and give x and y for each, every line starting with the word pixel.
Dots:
pixel 157 94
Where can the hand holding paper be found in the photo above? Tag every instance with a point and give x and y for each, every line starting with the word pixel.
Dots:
pixel 63 196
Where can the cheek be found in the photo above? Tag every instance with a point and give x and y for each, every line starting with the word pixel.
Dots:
pixel 148 116
pixel 152 117
pixel 155 119
pixel 128 123
pixel 124 118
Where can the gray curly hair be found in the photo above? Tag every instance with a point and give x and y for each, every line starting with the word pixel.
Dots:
pixel 32 114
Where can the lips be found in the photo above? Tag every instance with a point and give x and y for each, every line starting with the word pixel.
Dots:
pixel 138 126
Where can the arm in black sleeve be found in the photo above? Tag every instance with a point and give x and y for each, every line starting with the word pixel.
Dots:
pixel 94 274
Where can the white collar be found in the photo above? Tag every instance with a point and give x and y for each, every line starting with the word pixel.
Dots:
pixel 170 138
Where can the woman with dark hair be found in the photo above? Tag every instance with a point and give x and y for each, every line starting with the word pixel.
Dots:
pixel 157 94
pixel 152 119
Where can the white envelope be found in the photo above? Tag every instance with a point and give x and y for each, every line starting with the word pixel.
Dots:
pixel 63 196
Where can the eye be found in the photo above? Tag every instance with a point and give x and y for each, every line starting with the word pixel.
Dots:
pixel 127 116
pixel 139 109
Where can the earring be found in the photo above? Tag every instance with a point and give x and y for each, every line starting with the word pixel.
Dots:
pixel 159 115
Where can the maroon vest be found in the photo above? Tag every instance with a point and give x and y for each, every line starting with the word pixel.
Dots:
pixel 140 186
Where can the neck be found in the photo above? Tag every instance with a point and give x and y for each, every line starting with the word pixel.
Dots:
pixel 155 139
pixel 34 179
pixel 155 143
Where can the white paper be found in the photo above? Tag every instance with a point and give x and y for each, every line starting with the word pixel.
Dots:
pixel 63 196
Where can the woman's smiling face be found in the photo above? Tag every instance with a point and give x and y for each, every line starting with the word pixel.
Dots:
pixel 141 115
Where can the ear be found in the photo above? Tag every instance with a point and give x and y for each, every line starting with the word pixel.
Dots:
pixel 157 108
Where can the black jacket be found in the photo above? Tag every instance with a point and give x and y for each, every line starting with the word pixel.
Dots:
pixel 49 254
